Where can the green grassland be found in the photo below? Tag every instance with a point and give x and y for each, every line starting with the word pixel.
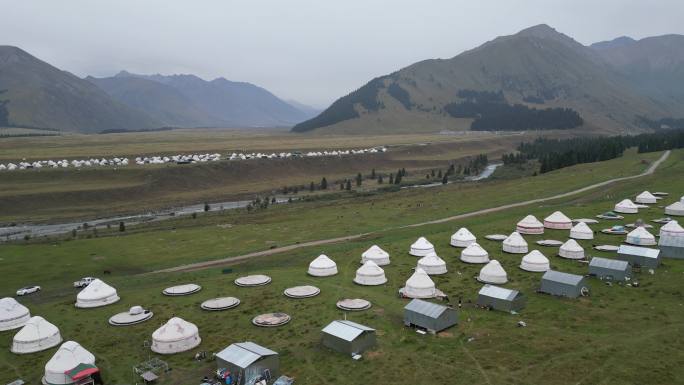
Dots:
pixel 617 335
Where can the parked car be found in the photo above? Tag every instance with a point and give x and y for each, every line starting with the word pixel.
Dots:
pixel 284 380
pixel 83 282
pixel 28 290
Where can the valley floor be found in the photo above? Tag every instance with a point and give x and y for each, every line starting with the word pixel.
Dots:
pixel 619 334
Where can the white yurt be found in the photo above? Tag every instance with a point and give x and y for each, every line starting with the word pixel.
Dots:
pixel 571 250
pixel 626 207
pixel 676 208
pixel 641 237
pixel 672 229
pixel 432 264
pixel 421 248
pixel 646 197
pixel 67 357
pixel 474 254
pixel 462 238
pixel 177 335
pixel 535 261
pixel 13 315
pixel 370 274
pixel 322 266
pixel 96 294
pixel 37 335
pixel 530 225
pixel 377 255
pixel 493 273
pixel 558 221
pixel 515 244
pixel 581 231
pixel 419 285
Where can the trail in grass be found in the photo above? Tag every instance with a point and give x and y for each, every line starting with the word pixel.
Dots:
pixel 225 261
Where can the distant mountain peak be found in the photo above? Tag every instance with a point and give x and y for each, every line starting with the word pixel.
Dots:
pixel 539 30
pixel 621 41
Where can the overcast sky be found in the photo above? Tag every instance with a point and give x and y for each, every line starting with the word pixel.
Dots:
pixel 310 51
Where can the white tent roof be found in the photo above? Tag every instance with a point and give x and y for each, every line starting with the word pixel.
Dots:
pixel 420 280
pixel 640 233
pixel 431 260
pixel 572 245
pixel 96 292
pixel 422 244
pixel 370 269
pixel 12 314
pixel 646 195
pixel 474 250
pixel 515 239
pixel 582 228
pixel 627 203
pixel 67 357
pixel 36 329
pixel 530 221
pixel 677 206
pixel 558 217
pixel 493 272
pixel 375 253
pixel 672 228
pixel 322 262
pixel 535 261
pixel 463 235
pixel 176 329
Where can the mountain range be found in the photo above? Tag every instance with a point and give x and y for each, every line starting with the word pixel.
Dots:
pixel 611 85
pixel 35 94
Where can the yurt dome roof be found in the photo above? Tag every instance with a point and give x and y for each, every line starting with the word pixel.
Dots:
pixel 493 272
pixel 67 357
pixel 535 257
pixel 515 239
pixel 176 329
pixel 474 250
pixel 375 252
pixel 572 245
pixel 370 268
pixel 97 289
pixel 420 280
pixel 37 328
pixel 627 203
pixel 673 227
pixel 676 206
pixel 581 227
pixel 431 259
pixel 322 262
pixel 11 309
pixel 558 217
pixel 641 233
pixel 646 195
pixel 422 244
pixel 530 221
pixel 463 234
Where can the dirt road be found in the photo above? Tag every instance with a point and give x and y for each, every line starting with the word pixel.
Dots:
pixel 227 261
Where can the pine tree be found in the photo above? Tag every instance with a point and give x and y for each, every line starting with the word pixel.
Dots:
pixel 373 174
pixel 348 186
pixel 397 180
pixel 312 187
pixel 439 174
pixel 122 227
pixel 445 179
pixel 391 178
pixel 380 181
pixel 324 184
pixel 206 207
pixel 359 179
pixel 432 172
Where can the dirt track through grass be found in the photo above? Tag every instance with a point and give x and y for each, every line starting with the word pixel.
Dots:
pixel 225 261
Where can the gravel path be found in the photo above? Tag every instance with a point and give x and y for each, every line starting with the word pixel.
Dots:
pixel 227 261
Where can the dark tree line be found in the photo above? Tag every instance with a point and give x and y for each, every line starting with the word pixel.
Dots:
pixel 400 94
pixel 491 112
pixel 4 114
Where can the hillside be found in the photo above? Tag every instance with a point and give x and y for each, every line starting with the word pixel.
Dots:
pixel 655 65
pixel 538 68
pixel 39 95
pixel 191 101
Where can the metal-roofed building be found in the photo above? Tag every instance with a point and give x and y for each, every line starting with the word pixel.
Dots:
pixel 639 256
pixel 564 284
pixel 248 360
pixel 429 316
pixel 499 298
pixel 612 269
pixel 348 337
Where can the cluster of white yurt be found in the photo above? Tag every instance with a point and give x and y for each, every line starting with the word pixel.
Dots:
pixel 676 209
pixel 370 274
pixel 493 273
pixel 37 335
pixel 379 256
pixel 581 231
pixel 180 158
pixel 535 262
pixel 77 163
pixel 626 206
pixel 67 357
pixel 641 237
pixel 558 221
pixel 515 244
pixel 462 238
pixel 474 253
pixel 421 247
pixel 646 198
pixel 310 154
pixel 322 266
pixel 419 285
pixel 432 264
pixel 96 294
pixel 671 229
pixel 175 336
pixel 571 250
pixel 13 315
pixel 530 225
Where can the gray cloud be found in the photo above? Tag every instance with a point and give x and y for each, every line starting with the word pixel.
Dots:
pixel 311 51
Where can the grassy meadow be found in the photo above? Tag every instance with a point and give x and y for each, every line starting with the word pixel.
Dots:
pixel 619 334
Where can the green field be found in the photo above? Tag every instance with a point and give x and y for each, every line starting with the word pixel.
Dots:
pixel 617 335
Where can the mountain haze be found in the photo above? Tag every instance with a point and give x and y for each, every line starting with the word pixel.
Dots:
pixel 39 95
pixel 537 67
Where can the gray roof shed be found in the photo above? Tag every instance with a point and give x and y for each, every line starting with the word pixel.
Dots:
pixel 430 316
pixel 563 284
pixel 614 269
pixel 249 359
pixel 639 256
pixel 348 337
pixel 499 298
